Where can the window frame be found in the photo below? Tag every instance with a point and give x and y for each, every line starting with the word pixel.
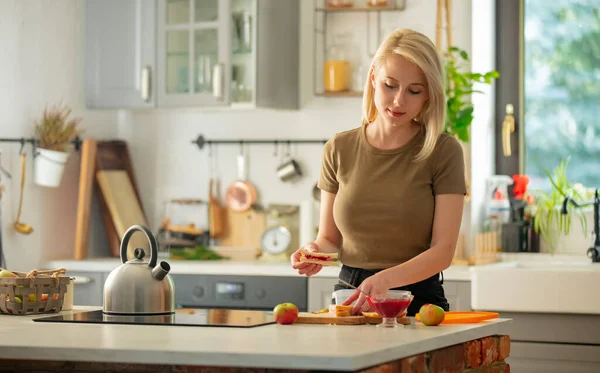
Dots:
pixel 510 86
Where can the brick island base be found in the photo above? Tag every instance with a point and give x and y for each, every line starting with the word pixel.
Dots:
pixel 484 355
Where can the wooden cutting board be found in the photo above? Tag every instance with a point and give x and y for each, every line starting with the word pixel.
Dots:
pixel 325 318
pixel 124 208
pixel 243 229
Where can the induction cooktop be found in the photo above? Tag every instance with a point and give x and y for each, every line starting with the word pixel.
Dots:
pixel 182 317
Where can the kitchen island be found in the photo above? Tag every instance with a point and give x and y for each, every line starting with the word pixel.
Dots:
pixel 65 347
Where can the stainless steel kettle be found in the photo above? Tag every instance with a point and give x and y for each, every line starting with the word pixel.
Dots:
pixel 138 287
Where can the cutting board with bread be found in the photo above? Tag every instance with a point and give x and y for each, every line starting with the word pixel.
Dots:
pixel 340 315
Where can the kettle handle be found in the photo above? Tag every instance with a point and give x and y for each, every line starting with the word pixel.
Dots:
pixel 151 240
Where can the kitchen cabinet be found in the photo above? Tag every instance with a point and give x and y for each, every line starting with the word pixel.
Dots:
pixel 320 292
pixel 120 53
pixel 553 342
pixel 88 288
pixel 192 53
pixel 458 294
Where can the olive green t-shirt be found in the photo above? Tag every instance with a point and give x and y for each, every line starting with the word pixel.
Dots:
pixel 384 204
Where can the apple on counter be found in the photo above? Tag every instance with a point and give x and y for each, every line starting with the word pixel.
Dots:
pixel 285 313
pixel 431 315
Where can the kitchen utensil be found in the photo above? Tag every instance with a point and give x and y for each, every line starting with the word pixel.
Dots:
pixel 215 212
pixel 123 205
pixel 465 317
pixel 4 170
pixel 352 286
pixel 19 226
pixel 139 287
pixel 389 305
pixel 241 194
pixel 326 318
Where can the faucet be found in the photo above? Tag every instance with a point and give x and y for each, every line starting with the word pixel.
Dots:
pixel 594 251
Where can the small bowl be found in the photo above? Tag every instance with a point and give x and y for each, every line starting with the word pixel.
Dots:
pixel 389 305
pixel 341 295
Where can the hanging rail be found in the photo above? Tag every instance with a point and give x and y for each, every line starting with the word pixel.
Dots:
pixel 30 140
pixel 201 141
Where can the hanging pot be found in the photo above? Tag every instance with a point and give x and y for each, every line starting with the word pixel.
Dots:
pixel 241 194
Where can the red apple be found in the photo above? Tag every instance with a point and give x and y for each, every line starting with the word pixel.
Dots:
pixel 285 313
pixel 431 314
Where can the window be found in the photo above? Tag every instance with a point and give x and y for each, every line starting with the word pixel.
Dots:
pixel 549 61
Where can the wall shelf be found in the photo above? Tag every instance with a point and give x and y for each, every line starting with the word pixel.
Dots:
pixel 361 46
pixel 362 9
pixel 340 94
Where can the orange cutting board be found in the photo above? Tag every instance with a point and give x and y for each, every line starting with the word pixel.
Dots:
pixel 465 317
pixel 325 318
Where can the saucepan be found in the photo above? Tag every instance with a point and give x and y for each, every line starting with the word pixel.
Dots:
pixel 241 194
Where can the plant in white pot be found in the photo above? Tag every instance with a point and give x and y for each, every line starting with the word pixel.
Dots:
pixel 54 133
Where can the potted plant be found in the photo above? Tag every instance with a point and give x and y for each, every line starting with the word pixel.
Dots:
pixel 459 87
pixel 549 219
pixel 53 132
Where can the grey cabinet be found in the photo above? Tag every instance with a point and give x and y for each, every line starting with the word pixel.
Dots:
pixel 88 288
pixel 120 53
pixel 192 53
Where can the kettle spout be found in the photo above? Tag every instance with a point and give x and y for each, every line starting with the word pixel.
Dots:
pixel 161 270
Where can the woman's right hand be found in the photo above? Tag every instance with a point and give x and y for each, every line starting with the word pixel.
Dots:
pixel 303 268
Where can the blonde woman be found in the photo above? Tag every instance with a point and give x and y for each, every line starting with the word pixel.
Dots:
pixel 392 190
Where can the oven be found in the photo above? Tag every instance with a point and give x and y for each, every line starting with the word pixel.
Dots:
pixel 248 292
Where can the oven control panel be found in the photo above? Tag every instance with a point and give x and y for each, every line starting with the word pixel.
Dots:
pixel 239 292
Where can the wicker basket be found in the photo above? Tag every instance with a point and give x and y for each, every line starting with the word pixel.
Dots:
pixel 33 292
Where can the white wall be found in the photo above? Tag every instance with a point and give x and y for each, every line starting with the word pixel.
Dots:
pixel 40 64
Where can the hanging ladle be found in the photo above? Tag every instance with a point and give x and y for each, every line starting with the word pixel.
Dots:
pixel 22 227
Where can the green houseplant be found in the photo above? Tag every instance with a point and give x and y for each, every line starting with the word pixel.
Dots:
pixel 53 131
pixel 459 87
pixel 548 219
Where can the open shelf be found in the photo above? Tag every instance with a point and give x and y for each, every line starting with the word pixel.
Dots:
pixel 340 94
pixel 361 9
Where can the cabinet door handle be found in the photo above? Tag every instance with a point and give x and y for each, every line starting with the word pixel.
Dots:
pixel 82 280
pixel 146 83
pixel 218 81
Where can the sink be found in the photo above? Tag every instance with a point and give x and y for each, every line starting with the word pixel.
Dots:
pixel 544 287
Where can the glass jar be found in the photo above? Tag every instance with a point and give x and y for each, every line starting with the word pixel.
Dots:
pixel 337 67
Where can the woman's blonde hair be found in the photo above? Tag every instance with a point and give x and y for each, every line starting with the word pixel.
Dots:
pixel 418 49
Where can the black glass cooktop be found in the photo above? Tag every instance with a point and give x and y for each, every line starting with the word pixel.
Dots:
pixel 182 317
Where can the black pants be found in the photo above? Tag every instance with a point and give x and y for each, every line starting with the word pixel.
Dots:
pixel 429 290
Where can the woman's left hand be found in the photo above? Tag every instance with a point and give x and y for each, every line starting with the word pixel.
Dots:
pixel 375 284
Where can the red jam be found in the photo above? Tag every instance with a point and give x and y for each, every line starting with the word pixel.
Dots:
pixel 389 307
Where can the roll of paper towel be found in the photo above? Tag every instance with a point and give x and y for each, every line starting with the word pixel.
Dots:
pixel 307 225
